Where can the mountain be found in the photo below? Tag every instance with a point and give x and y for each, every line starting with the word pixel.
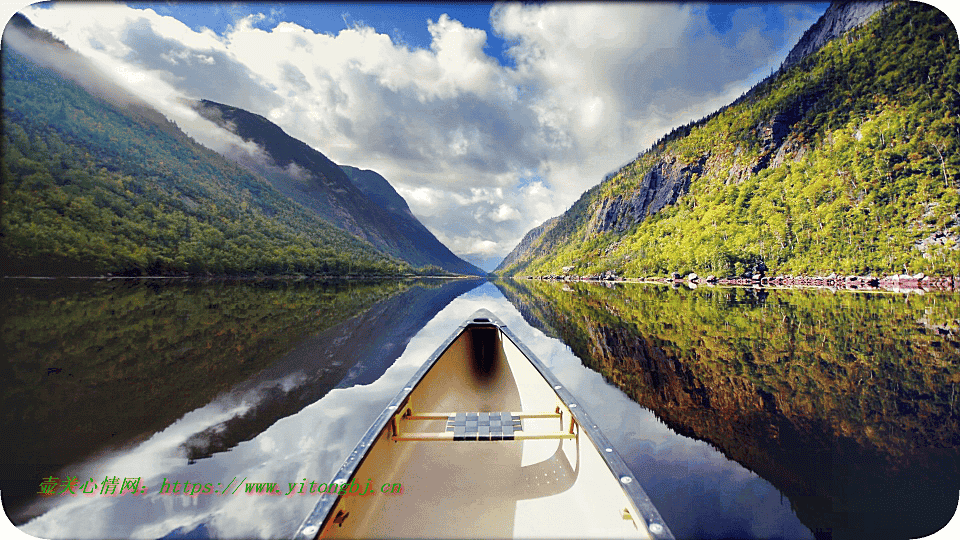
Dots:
pixel 814 409
pixel 379 190
pixel 846 160
pixel 362 203
pixel 94 180
pixel 529 240
pixel 838 19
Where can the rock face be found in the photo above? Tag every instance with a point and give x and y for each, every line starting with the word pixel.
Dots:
pixel 662 185
pixel 523 248
pixel 839 18
pixel 668 179
pixel 779 136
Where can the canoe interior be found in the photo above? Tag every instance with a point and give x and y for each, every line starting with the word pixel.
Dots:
pixel 552 488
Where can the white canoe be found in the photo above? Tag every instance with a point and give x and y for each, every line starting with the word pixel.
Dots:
pixel 484 442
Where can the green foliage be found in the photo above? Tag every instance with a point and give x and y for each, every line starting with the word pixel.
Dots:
pixel 431 270
pixel 127 358
pixel 839 397
pixel 89 187
pixel 865 181
pixel 843 357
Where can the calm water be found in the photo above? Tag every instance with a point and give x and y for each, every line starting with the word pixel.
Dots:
pixel 744 413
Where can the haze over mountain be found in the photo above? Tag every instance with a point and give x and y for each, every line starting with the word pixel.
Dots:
pixel 489 204
pixel 362 203
pixel 95 180
pixel 487 119
pixel 845 160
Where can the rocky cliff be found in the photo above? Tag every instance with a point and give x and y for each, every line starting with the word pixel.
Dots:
pixel 664 182
pixel 839 18
pixel 854 142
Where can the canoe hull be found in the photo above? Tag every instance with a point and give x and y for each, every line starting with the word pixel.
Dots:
pixel 521 461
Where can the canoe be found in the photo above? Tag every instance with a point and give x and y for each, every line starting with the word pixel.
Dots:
pixel 483 442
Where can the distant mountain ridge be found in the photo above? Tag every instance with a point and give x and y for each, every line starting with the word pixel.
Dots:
pixel 527 242
pixel 360 202
pixel 379 190
pixel 846 160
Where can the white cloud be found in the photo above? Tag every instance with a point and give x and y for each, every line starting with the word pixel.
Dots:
pixel 420 195
pixel 455 132
pixel 473 245
pixel 504 213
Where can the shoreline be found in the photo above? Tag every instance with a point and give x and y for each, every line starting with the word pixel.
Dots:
pixel 266 277
pixel 892 283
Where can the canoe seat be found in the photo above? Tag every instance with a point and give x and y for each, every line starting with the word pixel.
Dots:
pixel 484 426
pixel 477 426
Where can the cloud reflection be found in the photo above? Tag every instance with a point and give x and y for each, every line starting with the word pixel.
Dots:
pixel 679 473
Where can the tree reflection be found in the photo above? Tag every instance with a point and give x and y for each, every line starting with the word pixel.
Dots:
pixel 847 403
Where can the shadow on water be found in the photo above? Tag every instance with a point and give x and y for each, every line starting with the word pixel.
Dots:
pixel 846 403
pixel 97 366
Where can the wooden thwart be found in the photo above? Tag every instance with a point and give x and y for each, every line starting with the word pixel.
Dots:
pixel 447 415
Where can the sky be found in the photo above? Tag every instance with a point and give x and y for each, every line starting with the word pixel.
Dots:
pixel 487 118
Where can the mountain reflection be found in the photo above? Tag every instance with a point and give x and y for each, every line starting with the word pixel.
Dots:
pixel 846 402
pixel 93 367
pixel 356 351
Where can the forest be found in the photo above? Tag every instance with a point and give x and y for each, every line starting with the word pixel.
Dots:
pixel 846 162
pixel 90 187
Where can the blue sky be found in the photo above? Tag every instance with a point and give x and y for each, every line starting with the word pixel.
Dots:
pixel 487 118
pixel 404 22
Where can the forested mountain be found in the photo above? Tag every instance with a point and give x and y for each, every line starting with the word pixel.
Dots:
pixel 846 160
pixel 528 242
pixel 94 181
pixel 856 429
pixel 360 202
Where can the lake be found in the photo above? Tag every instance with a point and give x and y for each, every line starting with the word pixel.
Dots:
pixel 744 413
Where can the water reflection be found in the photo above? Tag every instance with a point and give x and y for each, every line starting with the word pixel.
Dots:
pixel 355 352
pixel 676 352
pixel 181 369
pixel 846 402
